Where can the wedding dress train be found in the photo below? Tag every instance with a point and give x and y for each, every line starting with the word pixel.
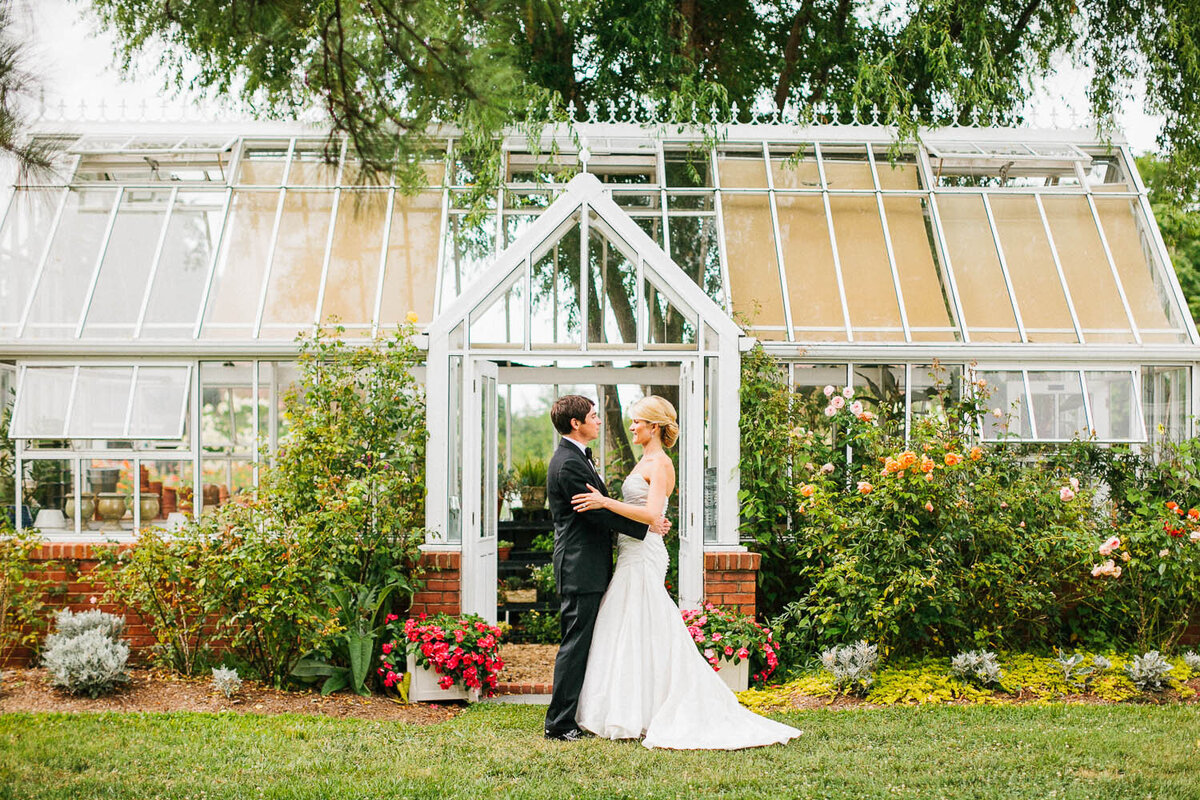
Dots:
pixel 645 676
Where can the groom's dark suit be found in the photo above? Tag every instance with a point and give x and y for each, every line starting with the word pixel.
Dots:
pixel 582 568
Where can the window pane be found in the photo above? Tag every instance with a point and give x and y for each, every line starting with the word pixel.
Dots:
pixel 53 483
pixel 227 407
pixel 101 403
pixel 1031 268
pixel 313 166
pixel 753 265
pixel 846 167
pixel 170 482
pixel 354 257
pixel 742 169
pixel 159 403
pixel 687 169
pixel 1009 417
pixel 812 280
pixel 694 249
pixel 981 288
pixel 897 173
pixel 866 274
pixel 1153 310
pixel 614 282
pixel 880 387
pixel 68 273
pixel 1114 412
pixel 1165 400
pixel 669 325
pixel 503 322
pixel 1089 277
pixel 237 281
pixel 187 255
pixel 22 240
pixel 127 261
pixel 1058 409
pixel 263 165
pixel 556 315
pixel 926 293
pixel 42 400
pixel 411 277
pixel 929 383
pixel 296 265
pixel 795 168
pixel 470 249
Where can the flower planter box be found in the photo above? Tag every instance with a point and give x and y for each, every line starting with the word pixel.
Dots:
pixel 736 676
pixel 424 687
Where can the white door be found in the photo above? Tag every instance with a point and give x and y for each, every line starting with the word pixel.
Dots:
pixel 691 488
pixel 480 465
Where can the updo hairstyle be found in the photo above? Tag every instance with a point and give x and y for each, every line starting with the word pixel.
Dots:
pixel 658 411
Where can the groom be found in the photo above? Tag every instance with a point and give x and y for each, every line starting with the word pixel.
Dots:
pixel 582 554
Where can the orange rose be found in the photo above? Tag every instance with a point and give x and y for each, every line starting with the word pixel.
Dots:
pixel 864 488
pixel 1194 513
pixel 976 453
pixel 952 458
pixel 927 464
pixel 807 490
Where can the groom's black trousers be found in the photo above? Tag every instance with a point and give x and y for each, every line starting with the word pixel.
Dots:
pixel 578 622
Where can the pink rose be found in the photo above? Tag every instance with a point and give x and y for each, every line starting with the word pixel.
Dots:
pixel 847 393
pixel 827 468
pixel 929 506
pixel 856 408
pixel 1112 544
pixel 828 391
pixel 1066 494
pixel 1074 484
pixel 830 411
pixel 836 402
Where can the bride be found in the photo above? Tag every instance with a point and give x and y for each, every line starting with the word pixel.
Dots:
pixel 644 675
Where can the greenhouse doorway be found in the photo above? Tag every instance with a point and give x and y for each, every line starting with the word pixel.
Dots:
pixel 584 298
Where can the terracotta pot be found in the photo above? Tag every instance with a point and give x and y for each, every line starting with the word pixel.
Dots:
pixel 503 553
pixel 169 501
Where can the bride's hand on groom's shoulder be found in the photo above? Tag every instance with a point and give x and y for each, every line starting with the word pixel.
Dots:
pixel 589 500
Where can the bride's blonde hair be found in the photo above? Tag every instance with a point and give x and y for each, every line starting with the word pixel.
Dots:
pixel 658 411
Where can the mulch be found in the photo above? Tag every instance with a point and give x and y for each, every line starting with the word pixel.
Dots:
pixel 153 690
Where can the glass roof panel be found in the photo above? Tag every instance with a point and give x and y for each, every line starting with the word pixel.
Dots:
pixel 262 165
pixel 237 281
pixel 43 399
pixel 313 166
pixel 846 167
pixel 897 173
pixel 816 300
pixel 1153 310
pixel 187 255
pixel 295 272
pixel 986 308
pixel 1107 174
pixel 1031 267
pixel 754 266
pixel 1115 412
pixel 922 282
pixel 355 258
pixel 128 258
pixel 22 241
pixel 742 169
pixel 866 272
pixel 64 283
pixel 412 256
pixel 687 169
pixel 470 248
pixel 1094 292
pixel 794 167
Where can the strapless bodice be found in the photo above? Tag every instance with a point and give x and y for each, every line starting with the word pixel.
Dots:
pixel 634 489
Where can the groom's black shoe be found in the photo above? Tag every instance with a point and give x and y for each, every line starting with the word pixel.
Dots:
pixel 571 735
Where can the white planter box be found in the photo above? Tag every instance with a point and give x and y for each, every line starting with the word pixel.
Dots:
pixel 424 686
pixel 736 676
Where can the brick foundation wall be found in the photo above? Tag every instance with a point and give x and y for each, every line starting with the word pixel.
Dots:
pixel 443 584
pixel 730 579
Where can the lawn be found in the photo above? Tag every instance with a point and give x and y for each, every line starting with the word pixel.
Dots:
pixel 1018 751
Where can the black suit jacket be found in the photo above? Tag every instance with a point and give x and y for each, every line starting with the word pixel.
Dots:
pixel 582 540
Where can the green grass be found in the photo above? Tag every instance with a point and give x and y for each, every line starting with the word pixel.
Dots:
pixel 1030 751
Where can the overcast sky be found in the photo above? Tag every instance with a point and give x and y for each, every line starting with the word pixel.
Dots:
pixel 76 62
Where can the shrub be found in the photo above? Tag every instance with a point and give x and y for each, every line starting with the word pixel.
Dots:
pixel 982 667
pixel 1079 673
pixel 91 663
pixel 226 681
pixel 1149 671
pixel 537 627
pixel 22 586
pixel 852 667
pixel 68 624
pixel 1192 659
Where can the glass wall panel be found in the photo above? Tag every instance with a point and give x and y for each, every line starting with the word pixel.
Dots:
pixel 1031 268
pixel 101 403
pixel 929 382
pixel 613 293
pixel 502 323
pixel 742 169
pixel 237 281
pixel 187 255
pixel 687 169
pixel 926 292
pixel 159 403
pixel 1058 410
pixel 1093 290
pixel 169 485
pixel 981 289
pixel 556 313
pixel 846 167
pixel 653 227
pixel 227 408
pixel 1165 399
pixel 470 249
pixel 753 265
pixel 52 483
pixel 812 278
pixel 128 259
pixel 794 168
pixel 44 397
pixel 667 323
pixel 410 280
pixel 866 273
pixel 695 250
pixel 22 241
pixel 110 482
pixel 1114 411
pixel 880 387
pixel 899 172
pixel 809 382
pixel 60 293
pixel 262 165
pixel 1009 416
pixel 224 479
pixel 314 166
pixel 354 258
pixel 1153 310
pixel 295 274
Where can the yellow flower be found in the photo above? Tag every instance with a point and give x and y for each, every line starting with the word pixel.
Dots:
pixel 412 317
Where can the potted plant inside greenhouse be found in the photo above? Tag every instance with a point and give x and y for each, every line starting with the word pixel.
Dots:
pixel 531 481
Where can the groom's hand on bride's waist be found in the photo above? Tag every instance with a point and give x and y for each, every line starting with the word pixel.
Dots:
pixel 661 526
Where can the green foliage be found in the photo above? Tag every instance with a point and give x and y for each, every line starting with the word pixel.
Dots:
pixel 22 586
pixel 531 472
pixel 1177 213
pixel 538 627
pixel 543 580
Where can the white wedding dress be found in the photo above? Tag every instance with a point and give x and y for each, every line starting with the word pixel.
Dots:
pixel 645 676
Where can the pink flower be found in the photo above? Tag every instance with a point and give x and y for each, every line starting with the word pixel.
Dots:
pixel 830 411
pixel 393 618
pixel 828 390
pixel 929 507
pixel 864 488
pixel 387 648
pixel 1074 484
pixel 856 408
pixel 827 468
pixel 1066 494
pixel 1112 544
pixel 743 653
pixel 728 650
pixel 1194 536
pixel 836 402
pixel 847 393
pixel 710 655
pixel 716 637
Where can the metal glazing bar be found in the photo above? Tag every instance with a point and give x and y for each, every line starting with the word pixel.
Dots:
pixel 1012 294
pixel 1033 431
pixel 887 243
pixel 70 402
pixel 184 402
pixel 212 267
pixel 266 281
pixel 1062 278
pixel 1087 402
pixel 91 290
pixel 1135 376
pixel 443 228
pixel 776 234
pixel 1112 266
pixel 133 379
pixel 255 399
pixel 194 402
pixel 837 260
pixel 333 213
pixel 935 217
pixel 158 251
pixel 527 282
pixel 41 267
pixel 718 221
pixel 584 288
pixel 641 314
pixel 383 252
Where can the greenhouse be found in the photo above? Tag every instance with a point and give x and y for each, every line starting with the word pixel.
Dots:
pixel 152 292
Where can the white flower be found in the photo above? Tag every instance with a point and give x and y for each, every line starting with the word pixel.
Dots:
pixel 856 408
pixel 1164 553
pixel 847 393
pixel 1074 484
pixel 997 413
pixel 827 468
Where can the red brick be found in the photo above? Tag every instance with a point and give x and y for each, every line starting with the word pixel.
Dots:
pixel 739 599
